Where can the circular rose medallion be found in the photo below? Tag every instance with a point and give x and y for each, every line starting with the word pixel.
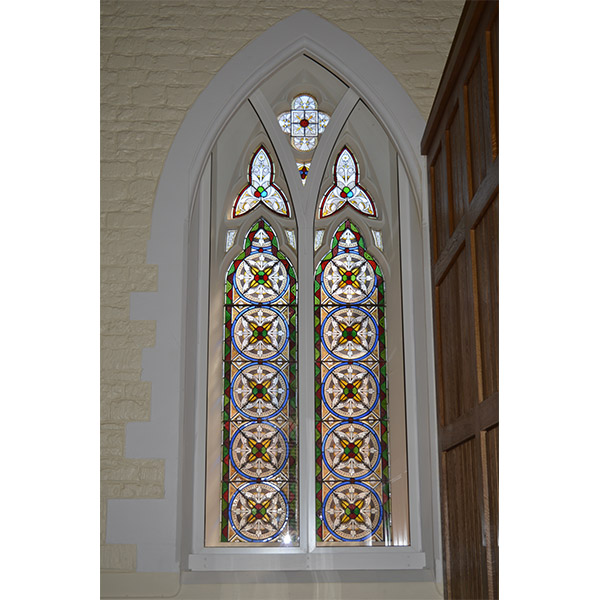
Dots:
pixel 348 278
pixel 351 450
pixel 350 391
pixel 259 391
pixel 261 278
pixel 349 333
pixel 258 450
pixel 352 512
pixel 259 333
pixel 258 512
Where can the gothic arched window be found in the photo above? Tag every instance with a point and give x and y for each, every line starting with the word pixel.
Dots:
pixel 270 472
pixel 241 214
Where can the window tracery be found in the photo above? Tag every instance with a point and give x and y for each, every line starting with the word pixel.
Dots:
pixel 304 122
pixel 260 188
pixel 347 188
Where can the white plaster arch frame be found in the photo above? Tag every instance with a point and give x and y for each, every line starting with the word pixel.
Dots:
pixel 156 526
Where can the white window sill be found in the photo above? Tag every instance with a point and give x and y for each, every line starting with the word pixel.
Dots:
pixel 295 559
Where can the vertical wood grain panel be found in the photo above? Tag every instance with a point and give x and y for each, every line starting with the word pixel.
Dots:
pixel 439 202
pixel 492 71
pixel 484 240
pixel 454 320
pixel 457 166
pixel 463 535
pixel 476 127
pixel 489 446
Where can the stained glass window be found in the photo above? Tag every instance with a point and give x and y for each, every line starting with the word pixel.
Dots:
pixel 259 470
pixel 352 462
pixel 346 189
pixel 304 123
pixel 260 188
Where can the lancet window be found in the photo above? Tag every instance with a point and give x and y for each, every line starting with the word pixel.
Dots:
pixel 259 468
pixel 352 462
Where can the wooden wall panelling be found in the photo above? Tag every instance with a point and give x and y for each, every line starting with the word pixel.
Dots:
pixel 437 185
pixel 489 448
pixel 457 164
pixel 484 248
pixel 463 526
pixel 477 130
pixel 492 52
pixel 456 339
pixel 461 143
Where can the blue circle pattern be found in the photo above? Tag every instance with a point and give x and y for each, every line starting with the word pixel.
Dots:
pixel 269 539
pixel 324 287
pixel 251 417
pixel 362 539
pixel 362 425
pixel 330 408
pixel 287 332
pixel 287 450
pixel 235 285
pixel 331 315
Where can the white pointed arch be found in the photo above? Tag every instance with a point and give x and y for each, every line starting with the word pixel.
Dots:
pixel 179 246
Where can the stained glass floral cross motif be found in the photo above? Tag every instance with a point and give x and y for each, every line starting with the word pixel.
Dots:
pixel 260 188
pixel 346 189
pixel 304 123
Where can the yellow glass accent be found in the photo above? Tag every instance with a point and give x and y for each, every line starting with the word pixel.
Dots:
pixel 357 455
pixel 344 329
pixel 264 456
pixel 359 504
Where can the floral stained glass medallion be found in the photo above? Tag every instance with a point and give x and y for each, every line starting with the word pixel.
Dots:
pixel 352 460
pixel 304 123
pixel 347 188
pixel 259 482
pixel 261 188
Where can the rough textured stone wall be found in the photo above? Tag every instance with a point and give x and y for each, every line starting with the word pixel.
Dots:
pixel 156 57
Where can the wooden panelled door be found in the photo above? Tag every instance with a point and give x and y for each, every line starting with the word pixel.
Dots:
pixel 461 144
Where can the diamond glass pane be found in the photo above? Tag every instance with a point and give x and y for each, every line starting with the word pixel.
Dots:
pixel 352 458
pixel 259 482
